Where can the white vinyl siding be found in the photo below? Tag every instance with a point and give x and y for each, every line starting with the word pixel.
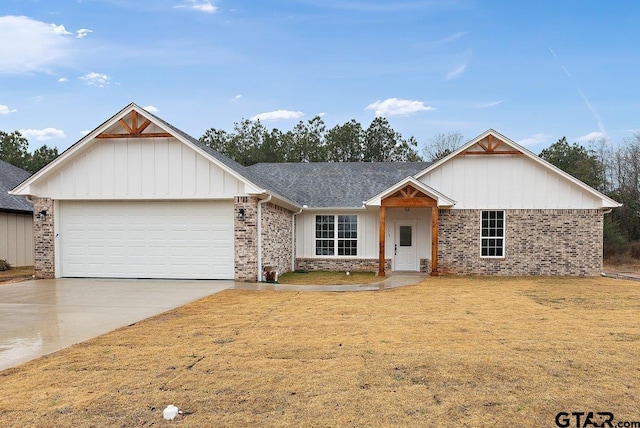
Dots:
pixel 506 182
pixel 139 168
pixel 146 239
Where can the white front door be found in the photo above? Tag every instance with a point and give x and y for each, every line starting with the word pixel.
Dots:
pixel 405 246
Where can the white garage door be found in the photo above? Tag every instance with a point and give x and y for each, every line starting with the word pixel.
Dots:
pixel 146 239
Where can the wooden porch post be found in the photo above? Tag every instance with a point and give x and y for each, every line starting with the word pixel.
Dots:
pixel 383 229
pixel 434 241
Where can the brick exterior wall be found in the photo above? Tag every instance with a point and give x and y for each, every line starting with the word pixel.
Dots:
pixel 341 264
pixel 44 239
pixel 246 239
pixel 537 242
pixel 276 237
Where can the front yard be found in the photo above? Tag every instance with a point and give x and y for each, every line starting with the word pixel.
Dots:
pixel 448 352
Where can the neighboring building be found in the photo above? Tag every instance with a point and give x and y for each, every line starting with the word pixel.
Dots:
pixel 16 218
pixel 138 198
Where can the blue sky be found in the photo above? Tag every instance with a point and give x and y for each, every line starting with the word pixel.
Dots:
pixel 533 70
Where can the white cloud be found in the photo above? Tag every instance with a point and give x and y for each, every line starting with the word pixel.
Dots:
pixel 534 139
pixel 63 79
pixel 96 79
pixel 398 107
pixel 82 33
pixel 456 72
pixel 6 110
pixel 278 115
pixel 198 5
pixel 322 114
pixel 42 134
pixel 85 132
pixel 591 136
pixel 490 104
pixel 237 97
pixel 151 109
pixel 58 29
pixel 35 45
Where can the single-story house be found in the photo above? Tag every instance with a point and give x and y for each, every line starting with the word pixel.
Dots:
pixel 138 198
pixel 16 218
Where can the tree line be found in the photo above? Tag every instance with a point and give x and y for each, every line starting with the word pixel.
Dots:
pixel 251 142
pixel 14 149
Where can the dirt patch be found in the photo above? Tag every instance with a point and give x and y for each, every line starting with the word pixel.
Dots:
pixel 447 352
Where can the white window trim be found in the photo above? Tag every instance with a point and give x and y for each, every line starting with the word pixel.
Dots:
pixel 504 236
pixel 335 237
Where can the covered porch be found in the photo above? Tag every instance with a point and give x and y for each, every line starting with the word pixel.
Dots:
pixel 408 226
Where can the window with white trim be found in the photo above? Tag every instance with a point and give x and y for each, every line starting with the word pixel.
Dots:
pixel 492 234
pixel 337 235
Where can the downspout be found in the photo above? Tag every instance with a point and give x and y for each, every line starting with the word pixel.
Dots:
pixel 293 240
pixel 259 221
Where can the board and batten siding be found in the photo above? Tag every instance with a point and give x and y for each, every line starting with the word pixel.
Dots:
pixel 506 182
pixel 367 233
pixel 140 168
pixel 16 239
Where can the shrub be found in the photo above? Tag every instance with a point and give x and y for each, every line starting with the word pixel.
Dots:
pixel 4 265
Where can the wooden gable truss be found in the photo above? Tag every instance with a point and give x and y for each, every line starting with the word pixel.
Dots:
pixel 134 129
pixel 489 146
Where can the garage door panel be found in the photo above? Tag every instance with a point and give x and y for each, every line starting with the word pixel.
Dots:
pixel 153 239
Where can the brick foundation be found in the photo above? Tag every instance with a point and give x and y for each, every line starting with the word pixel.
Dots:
pixel 44 238
pixel 425 265
pixel 341 264
pixel 537 242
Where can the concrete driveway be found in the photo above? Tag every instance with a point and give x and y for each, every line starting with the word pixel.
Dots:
pixel 44 316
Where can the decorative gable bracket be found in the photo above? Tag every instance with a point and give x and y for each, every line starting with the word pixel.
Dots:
pixel 134 129
pixel 409 196
pixel 489 146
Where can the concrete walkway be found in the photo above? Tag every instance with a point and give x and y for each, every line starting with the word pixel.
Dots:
pixel 393 281
pixel 633 276
pixel 44 316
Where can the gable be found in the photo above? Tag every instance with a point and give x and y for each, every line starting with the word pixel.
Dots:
pixel 492 171
pixel 134 155
pixel 138 168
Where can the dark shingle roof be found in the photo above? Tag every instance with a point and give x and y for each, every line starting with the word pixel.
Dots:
pixel 319 184
pixel 335 184
pixel 10 177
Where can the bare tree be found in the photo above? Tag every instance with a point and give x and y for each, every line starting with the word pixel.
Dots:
pixel 441 145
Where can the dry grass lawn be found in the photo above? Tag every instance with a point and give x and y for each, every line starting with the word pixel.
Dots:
pixel 328 278
pixel 16 273
pixel 448 352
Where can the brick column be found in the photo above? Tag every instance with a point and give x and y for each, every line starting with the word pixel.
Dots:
pixel 43 238
pixel 246 239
